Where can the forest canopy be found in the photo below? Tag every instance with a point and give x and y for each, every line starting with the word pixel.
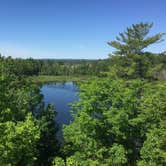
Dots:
pixel 120 118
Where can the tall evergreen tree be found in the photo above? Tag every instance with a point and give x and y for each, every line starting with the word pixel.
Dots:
pixel 135 39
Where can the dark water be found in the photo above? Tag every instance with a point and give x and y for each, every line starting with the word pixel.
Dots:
pixel 60 95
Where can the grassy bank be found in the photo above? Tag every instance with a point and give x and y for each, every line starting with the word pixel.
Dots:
pixel 48 79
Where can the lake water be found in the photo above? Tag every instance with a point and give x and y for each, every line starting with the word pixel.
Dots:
pixel 60 95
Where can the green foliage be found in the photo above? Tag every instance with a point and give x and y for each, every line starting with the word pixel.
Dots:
pixel 48 144
pixel 28 130
pixel 113 121
pixel 147 66
pixel 19 67
pixel 135 63
pixel 19 96
pixel 31 67
pixel 103 118
pixel 44 79
pixel 153 121
pixel 58 162
pixel 153 152
pixel 119 120
pixel 18 142
pixel 135 39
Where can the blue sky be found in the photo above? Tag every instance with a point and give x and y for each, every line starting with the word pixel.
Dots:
pixel 73 28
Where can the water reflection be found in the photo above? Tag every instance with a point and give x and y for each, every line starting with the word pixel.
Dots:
pixel 60 95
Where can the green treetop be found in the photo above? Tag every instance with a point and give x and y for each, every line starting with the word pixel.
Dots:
pixel 135 39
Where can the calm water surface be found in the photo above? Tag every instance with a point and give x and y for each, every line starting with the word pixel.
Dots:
pixel 60 95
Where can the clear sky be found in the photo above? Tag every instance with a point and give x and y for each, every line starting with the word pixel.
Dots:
pixel 73 28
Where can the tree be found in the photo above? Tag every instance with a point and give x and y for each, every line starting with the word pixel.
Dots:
pixel 48 144
pixel 135 39
pixel 153 152
pixel 27 128
pixel 115 122
pixel 18 142
pixel 102 130
pixel 152 121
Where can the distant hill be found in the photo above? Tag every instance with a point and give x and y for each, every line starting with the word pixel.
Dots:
pixel 69 60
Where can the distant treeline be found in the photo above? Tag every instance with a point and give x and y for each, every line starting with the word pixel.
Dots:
pixel 29 67
pixel 146 66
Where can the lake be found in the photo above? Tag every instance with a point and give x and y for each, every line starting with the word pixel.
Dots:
pixel 60 95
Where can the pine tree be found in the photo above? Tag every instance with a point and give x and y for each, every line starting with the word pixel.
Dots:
pixel 135 39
